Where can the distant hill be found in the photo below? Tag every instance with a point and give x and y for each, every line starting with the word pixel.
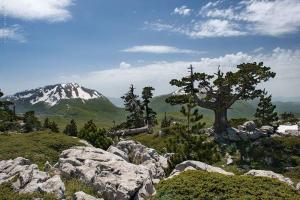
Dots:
pixel 68 101
pixel 241 109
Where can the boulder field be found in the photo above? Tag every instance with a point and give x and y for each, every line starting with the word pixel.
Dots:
pixel 127 170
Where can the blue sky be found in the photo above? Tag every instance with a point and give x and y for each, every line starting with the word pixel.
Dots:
pixel 106 45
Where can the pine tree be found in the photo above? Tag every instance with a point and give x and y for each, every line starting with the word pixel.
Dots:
pixel 165 123
pixel 54 127
pixel 31 122
pixel 265 112
pixel 46 123
pixel 71 129
pixel 221 90
pixel 135 109
pixel 150 115
pixel 192 115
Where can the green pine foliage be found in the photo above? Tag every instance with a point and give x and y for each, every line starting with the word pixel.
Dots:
pixel 31 122
pixel 265 112
pixel 150 115
pixel 133 105
pixel 200 185
pixel 288 117
pixel 97 137
pixel 51 125
pixel 191 112
pixel 71 129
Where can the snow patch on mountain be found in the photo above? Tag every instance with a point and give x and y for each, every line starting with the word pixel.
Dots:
pixel 52 94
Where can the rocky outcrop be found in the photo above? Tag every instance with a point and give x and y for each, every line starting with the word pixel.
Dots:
pixel 29 178
pixel 139 154
pixel 269 174
pixel 109 174
pixel 237 134
pixel 267 129
pixel 83 196
pixel 289 130
pixel 197 165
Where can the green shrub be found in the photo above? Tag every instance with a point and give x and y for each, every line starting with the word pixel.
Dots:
pixel 198 185
pixel 38 147
pixel 97 137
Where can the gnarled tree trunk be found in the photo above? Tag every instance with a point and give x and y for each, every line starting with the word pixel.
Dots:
pixel 221 122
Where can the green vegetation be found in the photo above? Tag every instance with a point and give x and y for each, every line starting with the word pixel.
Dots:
pixel 38 147
pixel 71 129
pixel 288 117
pixel 274 154
pixel 97 137
pixel 198 185
pixel 74 185
pixel 265 112
pixel 150 115
pixel 31 122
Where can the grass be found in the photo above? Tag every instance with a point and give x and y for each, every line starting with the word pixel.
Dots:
pixel 198 185
pixel 38 147
pixel 75 185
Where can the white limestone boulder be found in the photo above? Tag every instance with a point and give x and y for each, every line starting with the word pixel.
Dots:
pixel 270 174
pixel 197 165
pixel 112 176
pixel 139 154
pixel 83 196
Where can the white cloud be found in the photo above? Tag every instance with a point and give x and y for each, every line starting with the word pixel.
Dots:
pixel 263 17
pixel 259 49
pixel 49 10
pixel 183 10
pixel 158 49
pixel 124 65
pixel 251 17
pixel 115 82
pixel 13 33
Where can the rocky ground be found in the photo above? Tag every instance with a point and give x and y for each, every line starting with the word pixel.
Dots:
pixel 127 170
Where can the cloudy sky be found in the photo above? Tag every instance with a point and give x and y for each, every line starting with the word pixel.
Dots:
pixel 109 44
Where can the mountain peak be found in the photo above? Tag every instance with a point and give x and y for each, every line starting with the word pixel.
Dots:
pixel 52 94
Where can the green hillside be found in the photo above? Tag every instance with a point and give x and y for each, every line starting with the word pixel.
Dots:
pixel 101 110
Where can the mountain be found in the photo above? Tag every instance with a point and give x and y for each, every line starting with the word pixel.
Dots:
pixel 63 102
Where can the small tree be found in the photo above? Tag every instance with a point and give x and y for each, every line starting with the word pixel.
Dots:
pixel 135 109
pixel 192 115
pixel 150 115
pixel 31 122
pixel 54 127
pixel 71 129
pixel 220 91
pixel 165 123
pixel 265 112
pixel 96 137
pixel 47 123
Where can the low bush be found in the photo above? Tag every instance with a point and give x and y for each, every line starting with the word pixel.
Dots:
pixel 198 185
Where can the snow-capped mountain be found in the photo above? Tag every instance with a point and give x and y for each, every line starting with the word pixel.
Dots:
pixel 52 94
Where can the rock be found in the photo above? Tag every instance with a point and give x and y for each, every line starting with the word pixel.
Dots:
pixel 197 165
pixel 54 185
pixel 47 167
pixel 142 155
pixel 229 159
pixel 249 126
pixel 118 152
pixel 109 174
pixel 83 196
pixel 267 129
pixel 298 186
pixel 29 178
pixel 288 130
pixel 269 174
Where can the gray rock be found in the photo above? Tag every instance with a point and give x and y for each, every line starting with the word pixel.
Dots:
pixel 30 179
pixel 118 152
pixel 83 196
pixel 269 174
pixel 267 129
pixel 249 126
pixel 298 186
pixel 142 155
pixel 47 167
pixel 197 165
pixel 109 174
